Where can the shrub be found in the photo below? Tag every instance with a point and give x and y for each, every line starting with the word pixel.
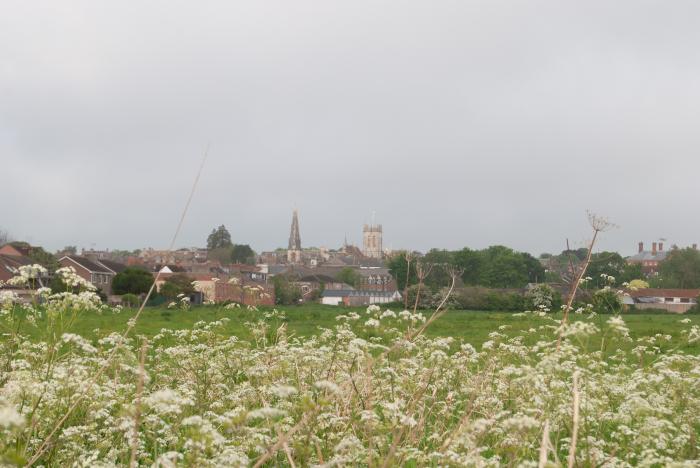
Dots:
pixel 132 281
pixel 478 298
pixel 130 300
pixel 286 292
pixel 543 297
pixel 607 301
pixel 175 285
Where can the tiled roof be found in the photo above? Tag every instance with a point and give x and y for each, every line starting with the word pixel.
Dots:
pixel 88 264
pixel 652 292
pixel 116 267
pixel 11 263
pixel 648 256
pixel 320 278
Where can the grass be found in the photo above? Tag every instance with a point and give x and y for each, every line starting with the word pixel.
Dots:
pixel 466 326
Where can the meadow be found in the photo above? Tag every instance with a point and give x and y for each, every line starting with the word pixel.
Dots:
pixel 466 326
pixel 83 384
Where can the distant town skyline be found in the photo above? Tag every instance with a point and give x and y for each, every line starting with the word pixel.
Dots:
pixel 460 123
pixel 604 243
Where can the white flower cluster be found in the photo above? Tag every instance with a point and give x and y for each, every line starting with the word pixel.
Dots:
pixel 73 280
pixel 355 395
pixel 10 418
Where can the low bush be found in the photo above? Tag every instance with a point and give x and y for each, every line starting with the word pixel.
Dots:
pixel 478 298
pixel 130 300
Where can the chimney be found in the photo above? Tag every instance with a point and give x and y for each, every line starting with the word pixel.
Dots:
pixel 661 246
pixel 641 247
pixel 653 248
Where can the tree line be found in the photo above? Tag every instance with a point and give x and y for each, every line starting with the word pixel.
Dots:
pixel 494 267
pixel 500 267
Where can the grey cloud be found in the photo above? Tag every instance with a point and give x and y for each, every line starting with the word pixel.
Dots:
pixel 460 123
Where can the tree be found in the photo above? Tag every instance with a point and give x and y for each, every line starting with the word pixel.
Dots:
pixel 441 261
pixel 608 264
pixel 132 281
pixel 680 269
pixel 535 270
pixel 175 285
pixel 399 268
pixel 219 237
pixel 470 262
pixel 631 272
pixel 221 254
pixel 286 293
pixel 242 253
pixel 349 276
pixel 503 268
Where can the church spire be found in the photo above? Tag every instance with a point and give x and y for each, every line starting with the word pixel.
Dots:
pixel 294 249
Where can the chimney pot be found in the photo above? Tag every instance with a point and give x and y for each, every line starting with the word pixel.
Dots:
pixel 653 248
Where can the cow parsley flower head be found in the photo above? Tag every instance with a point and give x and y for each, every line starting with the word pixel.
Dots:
pixel 266 413
pixel 617 325
pixel 372 323
pixel 328 386
pixel 167 401
pixel 9 417
pixel 283 391
pixel 33 271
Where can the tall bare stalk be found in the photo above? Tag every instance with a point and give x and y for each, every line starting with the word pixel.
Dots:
pixel 408 257
pixel 598 224
pixel 574 431
pixel 137 409
pixel 422 272
pixel 544 446
pixel 131 324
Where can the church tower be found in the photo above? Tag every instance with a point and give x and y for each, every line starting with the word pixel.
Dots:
pixel 294 249
pixel 372 240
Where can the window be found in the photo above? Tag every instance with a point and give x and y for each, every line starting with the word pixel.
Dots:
pixel 668 299
pixel 685 300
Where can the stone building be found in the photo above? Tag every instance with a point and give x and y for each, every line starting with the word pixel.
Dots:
pixel 372 241
pixel 294 249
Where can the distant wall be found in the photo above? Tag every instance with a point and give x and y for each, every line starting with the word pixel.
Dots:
pixel 673 308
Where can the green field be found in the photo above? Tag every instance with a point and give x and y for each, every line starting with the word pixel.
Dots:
pixel 466 326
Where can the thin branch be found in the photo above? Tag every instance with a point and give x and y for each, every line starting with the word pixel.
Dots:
pixel 574 431
pixel 131 324
pixel 599 225
pixel 139 394
pixel 544 446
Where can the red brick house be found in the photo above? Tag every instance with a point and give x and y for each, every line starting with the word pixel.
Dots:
pixel 649 259
pixel 95 271
pixel 16 250
pixel 12 257
pixel 9 265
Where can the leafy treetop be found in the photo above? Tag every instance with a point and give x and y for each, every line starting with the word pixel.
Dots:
pixel 219 238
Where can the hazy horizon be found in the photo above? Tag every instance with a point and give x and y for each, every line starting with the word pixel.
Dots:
pixel 458 123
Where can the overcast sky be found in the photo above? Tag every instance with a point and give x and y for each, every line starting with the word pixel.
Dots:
pixel 460 123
